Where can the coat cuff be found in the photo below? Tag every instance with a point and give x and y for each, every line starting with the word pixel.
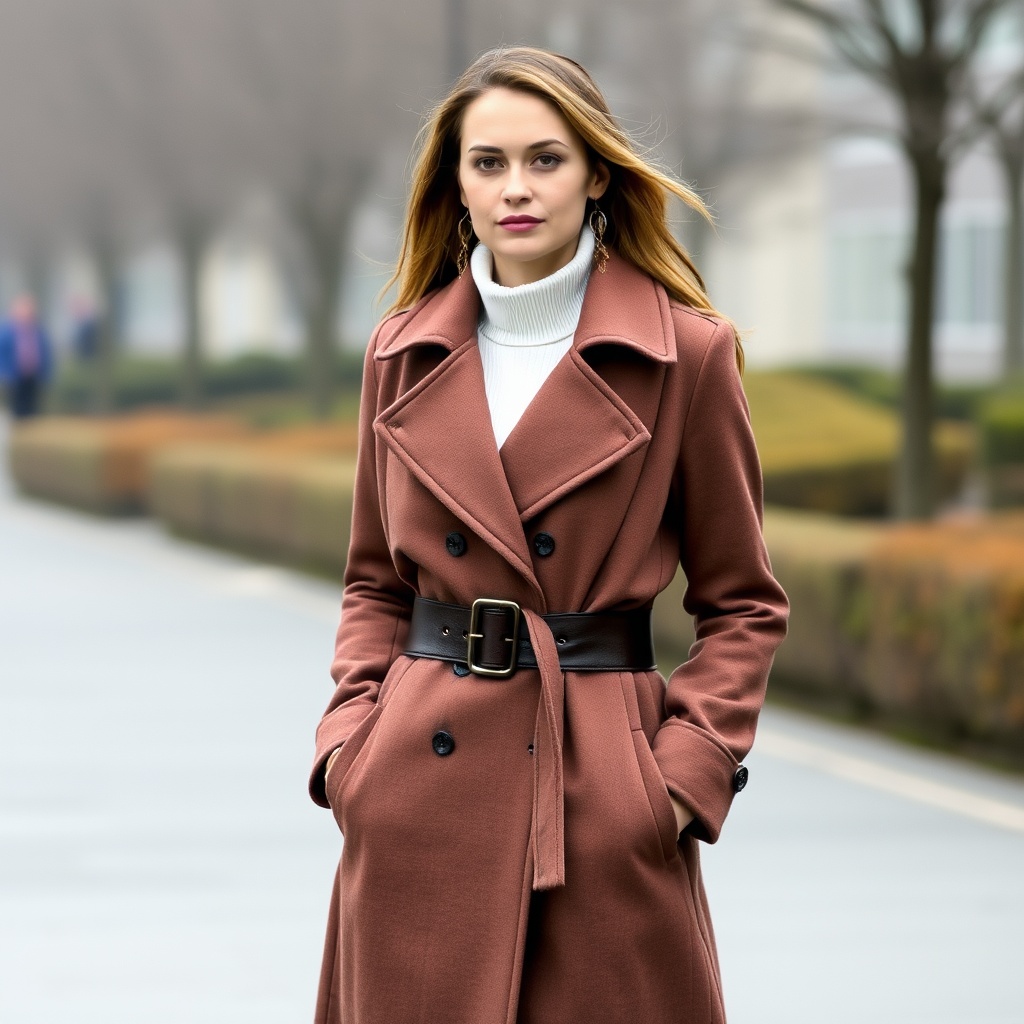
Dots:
pixel 332 732
pixel 697 771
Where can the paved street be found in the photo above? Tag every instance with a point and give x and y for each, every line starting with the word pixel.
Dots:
pixel 160 860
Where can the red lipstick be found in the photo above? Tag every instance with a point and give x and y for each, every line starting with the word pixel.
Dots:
pixel 519 222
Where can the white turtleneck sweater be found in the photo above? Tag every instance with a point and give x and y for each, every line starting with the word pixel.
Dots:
pixel 524 331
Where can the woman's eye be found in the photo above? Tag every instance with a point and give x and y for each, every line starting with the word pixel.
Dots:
pixel 548 160
pixel 487 163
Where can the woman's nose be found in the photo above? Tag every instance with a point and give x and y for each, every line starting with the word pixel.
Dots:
pixel 516 187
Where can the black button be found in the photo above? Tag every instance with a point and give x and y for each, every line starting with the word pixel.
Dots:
pixel 544 544
pixel 456 544
pixel 443 743
pixel 740 777
pixel 460 668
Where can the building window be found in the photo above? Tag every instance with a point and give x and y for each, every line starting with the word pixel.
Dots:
pixel 868 285
pixel 865 275
pixel 970 272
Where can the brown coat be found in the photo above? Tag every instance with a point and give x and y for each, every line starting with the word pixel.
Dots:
pixel 534 875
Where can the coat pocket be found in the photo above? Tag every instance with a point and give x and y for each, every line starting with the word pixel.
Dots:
pixel 356 744
pixel 657 796
pixel 654 782
pixel 350 750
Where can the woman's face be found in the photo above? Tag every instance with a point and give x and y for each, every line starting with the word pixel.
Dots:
pixel 524 176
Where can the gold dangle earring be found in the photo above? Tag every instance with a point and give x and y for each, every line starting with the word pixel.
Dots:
pixel 465 231
pixel 599 224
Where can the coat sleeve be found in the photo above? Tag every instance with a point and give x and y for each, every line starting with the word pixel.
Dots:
pixel 740 612
pixel 376 603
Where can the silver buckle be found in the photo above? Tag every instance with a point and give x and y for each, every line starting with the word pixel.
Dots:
pixel 479 605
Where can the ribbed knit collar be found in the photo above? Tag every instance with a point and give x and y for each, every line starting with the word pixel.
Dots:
pixel 538 313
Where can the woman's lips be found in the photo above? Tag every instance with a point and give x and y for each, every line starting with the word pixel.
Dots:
pixel 519 224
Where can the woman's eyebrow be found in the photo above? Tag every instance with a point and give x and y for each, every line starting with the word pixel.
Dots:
pixel 497 149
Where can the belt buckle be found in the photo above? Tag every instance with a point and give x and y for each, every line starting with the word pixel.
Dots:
pixel 480 605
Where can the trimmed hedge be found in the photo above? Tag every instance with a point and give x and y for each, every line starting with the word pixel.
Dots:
pixel 821 448
pixel 824 449
pixel 289 506
pixel 915 625
pixel 1001 422
pixel 912 624
pixel 101 465
pixel 944 625
pixel 334 438
pixel 819 560
pixel 882 387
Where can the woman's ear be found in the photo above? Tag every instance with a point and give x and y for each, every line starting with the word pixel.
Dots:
pixel 600 180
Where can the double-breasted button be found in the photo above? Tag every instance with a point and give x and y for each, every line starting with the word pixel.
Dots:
pixel 544 544
pixel 443 743
pixel 456 544
pixel 740 777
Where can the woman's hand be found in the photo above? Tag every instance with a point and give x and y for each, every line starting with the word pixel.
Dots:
pixel 683 814
pixel 330 761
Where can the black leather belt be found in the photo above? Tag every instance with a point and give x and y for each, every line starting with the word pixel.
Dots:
pixel 491 637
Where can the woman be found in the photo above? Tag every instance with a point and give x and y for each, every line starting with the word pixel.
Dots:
pixel 551 423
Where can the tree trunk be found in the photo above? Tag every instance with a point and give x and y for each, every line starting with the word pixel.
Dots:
pixel 322 341
pixel 105 357
pixel 914 496
pixel 191 253
pixel 1013 271
pixel 326 238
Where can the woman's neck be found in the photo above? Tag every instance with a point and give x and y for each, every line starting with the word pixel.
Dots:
pixel 537 313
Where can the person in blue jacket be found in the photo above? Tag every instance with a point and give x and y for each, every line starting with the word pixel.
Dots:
pixel 26 357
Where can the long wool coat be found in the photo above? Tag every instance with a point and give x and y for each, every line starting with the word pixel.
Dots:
pixel 533 872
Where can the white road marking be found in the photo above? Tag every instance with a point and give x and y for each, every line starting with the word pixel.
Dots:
pixel 890 780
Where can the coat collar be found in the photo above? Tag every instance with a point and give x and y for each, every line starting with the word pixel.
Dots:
pixel 621 307
pixel 440 429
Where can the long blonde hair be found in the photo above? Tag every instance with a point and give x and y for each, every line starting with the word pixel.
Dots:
pixel 635 203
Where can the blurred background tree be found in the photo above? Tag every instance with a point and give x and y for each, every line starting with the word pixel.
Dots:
pixel 260 134
pixel 156 119
pixel 923 55
pixel 999 106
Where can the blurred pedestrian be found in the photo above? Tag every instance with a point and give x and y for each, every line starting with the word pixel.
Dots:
pixel 552 421
pixel 26 357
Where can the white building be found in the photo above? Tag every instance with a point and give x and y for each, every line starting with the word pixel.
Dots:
pixel 815 260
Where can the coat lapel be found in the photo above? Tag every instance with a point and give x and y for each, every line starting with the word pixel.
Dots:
pixel 440 429
pixel 577 426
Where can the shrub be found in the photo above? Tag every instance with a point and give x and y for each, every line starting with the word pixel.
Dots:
pixel 918 625
pixel 945 624
pixel 825 450
pixel 1001 423
pixel 101 465
pixel 1001 420
pixel 883 387
pixel 254 497
pixel 819 560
